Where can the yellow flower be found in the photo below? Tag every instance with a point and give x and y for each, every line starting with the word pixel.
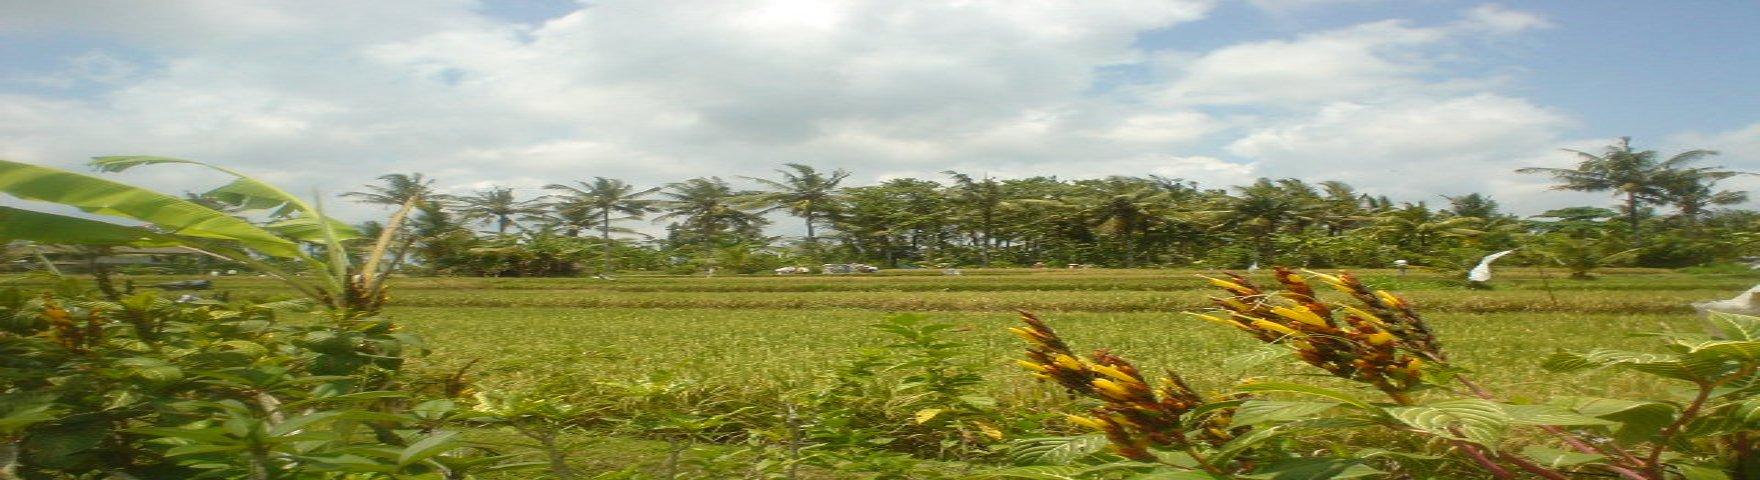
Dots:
pixel 1025 334
pixel 1068 362
pixel 1301 314
pixel 1380 338
pixel 1272 326
pixel 1389 299
pixel 1227 285
pixel 1091 423
pixel 1111 388
pixel 1215 319
pixel 1366 316
pixel 1033 366
pixel 1110 371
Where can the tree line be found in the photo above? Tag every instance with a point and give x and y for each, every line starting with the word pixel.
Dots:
pixel 1669 213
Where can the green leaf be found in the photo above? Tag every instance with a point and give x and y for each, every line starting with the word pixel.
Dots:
pixel 305 229
pixel 1261 387
pixel 427 447
pixel 1695 472
pixel 1314 469
pixel 1556 458
pixel 1638 421
pixel 1472 420
pixel 1663 365
pixel 1247 362
pixel 48 228
pixel 1055 450
pixel 1736 326
pixel 1255 412
pixel 175 215
pixel 1550 415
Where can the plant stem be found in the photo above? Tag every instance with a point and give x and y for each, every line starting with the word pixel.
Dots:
pixel 1668 433
pixel 1204 462
pixel 1484 462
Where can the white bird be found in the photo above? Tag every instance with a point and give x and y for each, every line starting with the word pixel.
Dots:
pixel 1482 273
pixel 1746 303
pixel 1253 268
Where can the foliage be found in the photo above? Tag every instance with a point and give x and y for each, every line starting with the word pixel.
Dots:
pixel 142 386
pixel 1382 343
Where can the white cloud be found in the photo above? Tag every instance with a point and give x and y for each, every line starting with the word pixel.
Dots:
pixel 334 93
pixel 1411 148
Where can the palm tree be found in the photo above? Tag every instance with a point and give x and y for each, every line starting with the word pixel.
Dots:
pixel 1416 227
pixel 397 189
pixel 1122 207
pixel 709 208
pixel 496 205
pixel 980 200
pixel 1472 205
pixel 1263 209
pixel 605 200
pixel 1693 192
pixel 804 192
pixel 1639 176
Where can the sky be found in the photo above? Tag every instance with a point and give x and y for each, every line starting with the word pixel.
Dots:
pixel 1414 99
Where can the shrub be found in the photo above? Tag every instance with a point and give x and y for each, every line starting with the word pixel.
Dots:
pixel 1430 417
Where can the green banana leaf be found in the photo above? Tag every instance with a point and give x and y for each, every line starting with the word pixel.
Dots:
pixel 49 228
pixel 175 215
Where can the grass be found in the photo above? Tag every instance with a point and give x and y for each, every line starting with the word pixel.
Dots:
pixel 751 339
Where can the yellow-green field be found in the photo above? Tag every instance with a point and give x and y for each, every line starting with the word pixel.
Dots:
pixel 750 340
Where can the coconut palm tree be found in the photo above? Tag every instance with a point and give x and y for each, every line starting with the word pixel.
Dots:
pixel 396 190
pixel 495 205
pixel 1639 176
pixel 1693 193
pixel 1122 207
pixel 804 192
pixel 604 200
pixel 1263 209
pixel 709 208
pixel 1417 228
pixel 978 201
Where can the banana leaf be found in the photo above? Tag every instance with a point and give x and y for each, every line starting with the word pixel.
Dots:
pixel 175 215
pixel 49 228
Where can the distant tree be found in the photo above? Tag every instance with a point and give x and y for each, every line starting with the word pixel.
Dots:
pixel 709 209
pixel 979 201
pixel 1694 192
pixel 396 189
pixel 1263 209
pixel 803 192
pixel 1417 228
pixel 496 205
pixel 604 200
pixel 1473 205
pixel 1640 176
pixel 1121 207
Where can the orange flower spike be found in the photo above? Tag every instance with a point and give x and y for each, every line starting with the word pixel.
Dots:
pixel 1034 367
pixel 1301 314
pixel 1069 362
pixel 1380 338
pixel 1389 299
pixel 1234 288
pixel 1114 372
pixel 1091 423
pixel 1267 325
pixel 1112 390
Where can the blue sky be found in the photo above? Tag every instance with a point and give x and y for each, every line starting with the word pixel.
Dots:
pixel 1413 99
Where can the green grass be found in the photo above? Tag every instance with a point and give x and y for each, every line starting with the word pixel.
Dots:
pixel 751 339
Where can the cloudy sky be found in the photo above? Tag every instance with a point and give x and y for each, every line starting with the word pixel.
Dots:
pixel 1408 98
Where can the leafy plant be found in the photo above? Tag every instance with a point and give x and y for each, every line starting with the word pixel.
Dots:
pixel 1382 343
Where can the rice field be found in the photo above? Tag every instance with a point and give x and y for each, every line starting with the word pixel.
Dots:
pixel 752 339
